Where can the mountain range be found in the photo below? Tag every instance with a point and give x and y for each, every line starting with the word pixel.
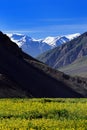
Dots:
pixel 23 76
pixel 35 47
pixel 67 53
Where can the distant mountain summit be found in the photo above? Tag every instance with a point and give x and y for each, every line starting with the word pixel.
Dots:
pixel 35 47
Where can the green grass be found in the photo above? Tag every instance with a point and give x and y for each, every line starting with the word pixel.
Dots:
pixel 43 114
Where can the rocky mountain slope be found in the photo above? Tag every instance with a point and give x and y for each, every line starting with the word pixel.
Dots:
pixel 77 68
pixel 66 53
pixel 23 76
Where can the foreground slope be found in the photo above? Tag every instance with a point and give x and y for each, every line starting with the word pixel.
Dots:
pixel 23 76
pixel 66 53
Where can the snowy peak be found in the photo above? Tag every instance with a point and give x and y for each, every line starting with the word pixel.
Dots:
pixel 55 41
pixel 51 40
pixel 16 36
pixel 35 47
pixel 72 36
pixel 20 39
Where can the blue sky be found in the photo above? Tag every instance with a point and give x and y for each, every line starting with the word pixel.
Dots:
pixel 41 18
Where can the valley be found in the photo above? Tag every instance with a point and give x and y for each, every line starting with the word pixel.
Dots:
pixel 69 58
pixel 23 76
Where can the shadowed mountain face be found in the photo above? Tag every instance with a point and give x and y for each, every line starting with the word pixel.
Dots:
pixel 23 76
pixel 66 53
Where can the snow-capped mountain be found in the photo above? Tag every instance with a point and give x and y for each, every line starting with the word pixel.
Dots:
pixel 72 36
pixel 35 47
pixel 55 41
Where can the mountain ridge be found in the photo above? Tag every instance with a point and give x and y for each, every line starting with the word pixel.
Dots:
pixel 23 76
pixel 66 53
pixel 35 47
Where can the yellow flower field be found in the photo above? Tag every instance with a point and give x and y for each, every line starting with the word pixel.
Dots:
pixel 43 114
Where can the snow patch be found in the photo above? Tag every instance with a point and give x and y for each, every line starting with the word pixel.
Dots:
pixel 72 36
